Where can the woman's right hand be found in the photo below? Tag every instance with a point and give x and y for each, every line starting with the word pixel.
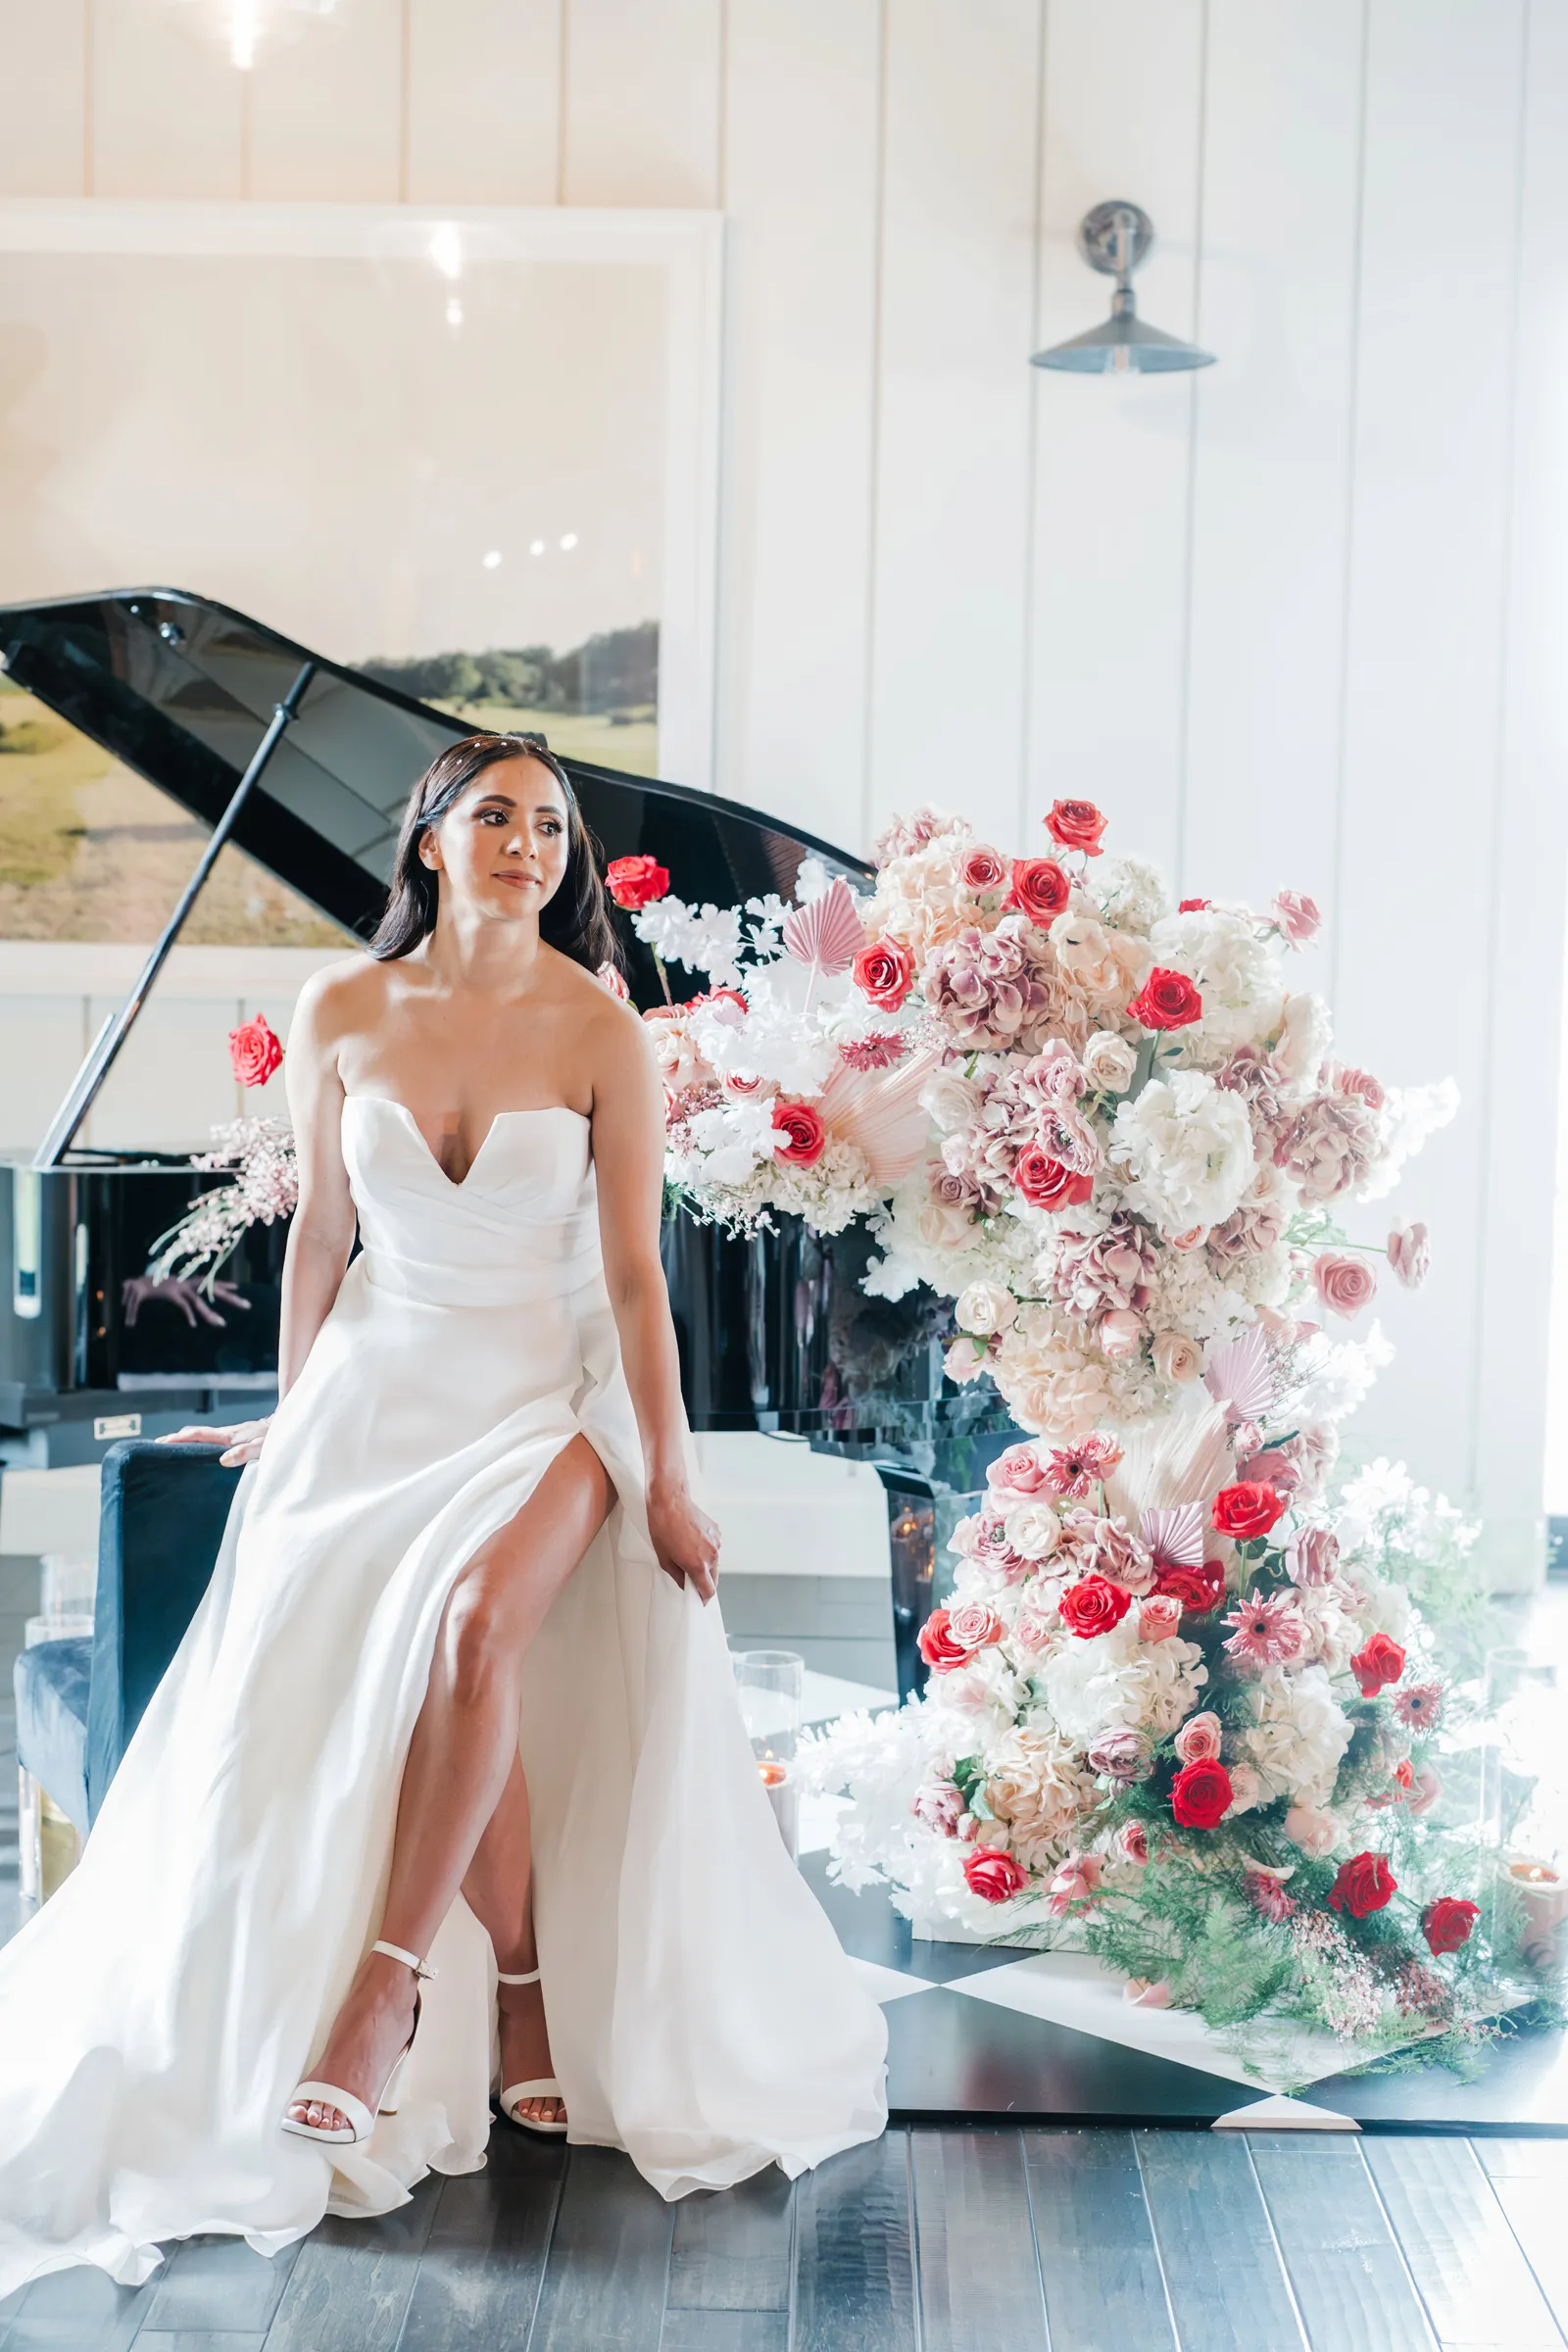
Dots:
pixel 242 1442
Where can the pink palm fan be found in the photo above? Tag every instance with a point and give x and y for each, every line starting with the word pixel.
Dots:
pixel 881 1111
pixel 1168 1467
pixel 826 934
pixel 1241 1377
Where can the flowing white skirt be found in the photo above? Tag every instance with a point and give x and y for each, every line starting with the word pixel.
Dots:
pixel 158 2011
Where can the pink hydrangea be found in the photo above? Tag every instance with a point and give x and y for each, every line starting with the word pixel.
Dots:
pixel 1095 1273
pixel 1329 1146
pixel 1100 1546
pixel 984 987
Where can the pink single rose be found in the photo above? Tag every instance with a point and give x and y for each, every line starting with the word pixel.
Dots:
pixel 1348 1081
pixel 1144 1992
pixel 938 1806
pixel 1425 1792
pixel 1346 1285
pixel 993 1873
pixel 1312 1830
pixel 1018 1471
pixel 254 1053
pixel 1120 1334
pixel 1271 1467
pixel 1190 1239
pixel 1158 1617
pixel 1296 916
pixel 1075 1882
pixel 1121 1754
pixel 981 869
pixel 1131 1844
pixel 1198 1739
pixel 1409 1254
pixel 974 1626
pixel 1313 1557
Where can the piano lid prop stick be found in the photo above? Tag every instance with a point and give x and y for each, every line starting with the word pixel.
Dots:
pixel 105 1048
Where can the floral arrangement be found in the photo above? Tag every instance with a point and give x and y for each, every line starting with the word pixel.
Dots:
pixel 260 1155
pixel 1183 1705
pixel 787 1086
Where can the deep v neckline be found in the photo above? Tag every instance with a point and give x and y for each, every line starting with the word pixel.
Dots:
pixel 457 1183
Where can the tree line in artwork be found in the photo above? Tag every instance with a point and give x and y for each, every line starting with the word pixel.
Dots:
pixel 618 670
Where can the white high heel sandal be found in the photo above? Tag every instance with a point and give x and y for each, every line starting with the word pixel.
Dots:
pixel 360 2122
pixel 544 2087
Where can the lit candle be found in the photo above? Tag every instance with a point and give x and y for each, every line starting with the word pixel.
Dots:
pixel 773 1772
pixel 1543 1894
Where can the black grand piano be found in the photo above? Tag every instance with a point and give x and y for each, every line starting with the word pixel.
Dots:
pixel 305 765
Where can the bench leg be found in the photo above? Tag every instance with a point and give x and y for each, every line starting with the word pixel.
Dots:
pixel 50 1843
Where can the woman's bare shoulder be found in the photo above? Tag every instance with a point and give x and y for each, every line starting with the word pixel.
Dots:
pixel 345 995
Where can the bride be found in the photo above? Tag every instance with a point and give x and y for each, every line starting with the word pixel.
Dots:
pixel 446 1792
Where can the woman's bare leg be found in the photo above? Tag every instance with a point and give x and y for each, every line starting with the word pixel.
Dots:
pixel 462 1755
pixel 499 1891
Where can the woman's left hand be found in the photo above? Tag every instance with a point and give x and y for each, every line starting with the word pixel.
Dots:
pixel 685 1541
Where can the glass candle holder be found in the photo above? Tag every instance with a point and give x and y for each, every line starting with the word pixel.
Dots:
pixel 770 1685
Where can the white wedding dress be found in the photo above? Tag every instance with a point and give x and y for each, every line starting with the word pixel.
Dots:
pixel 158 2011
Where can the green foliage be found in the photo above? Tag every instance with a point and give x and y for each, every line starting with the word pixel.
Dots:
pixel 617 670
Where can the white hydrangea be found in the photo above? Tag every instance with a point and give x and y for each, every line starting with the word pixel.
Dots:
pixel 1130 895
pixel 1188 1144
pixel 1301 1733
pixel 1114 1681
pixel 1337 1374
pixel 1409 1115
pixel 1236 973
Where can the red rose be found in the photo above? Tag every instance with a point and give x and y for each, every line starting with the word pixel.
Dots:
pixel 636 881
pixel 1447 1923
pixel 254 1053
pixel 1363 1883
pixel 1192 906
pixel 1046 1183
pixel 1093 1606
pixel 1201 1795
pixel 1249 1508
pixel 1382 1661
pixel 884 971
pixel 1075 825
pixel 1040 889
pixel 993 1873
pixel 1166 1001
pixel 805 1132
pixel 1196 1589
pixel 937 1646
pixel 981 869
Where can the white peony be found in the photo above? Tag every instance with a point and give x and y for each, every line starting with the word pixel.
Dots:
pixel 1188 1144
pixel 1301 1733
pixel 1117 1681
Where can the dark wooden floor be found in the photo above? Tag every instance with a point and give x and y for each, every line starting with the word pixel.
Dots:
pixel 929 2241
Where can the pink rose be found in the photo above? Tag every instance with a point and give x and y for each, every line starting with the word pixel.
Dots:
pixel 1198 1739
pixel 1425 1793
pixel 1158 1617
pixel 1075 1882
pixel 1176 1357
pixel 1313 1831
pixel 1120 1334
pixel 994 1873
pixel 1409 1256
pixel 1296 916
pixel 981 869
pixel 974 1626
pixel 1346 1285
pixel 1313 1557
pixel 1018 1471
pixel 1131 1844
pixel 1147 1993
pixel 1348 1081
pixel 254 1053
pixel 1188 1239
pixel 1121 1754
pixel 1032 1628
pixel 1273 1467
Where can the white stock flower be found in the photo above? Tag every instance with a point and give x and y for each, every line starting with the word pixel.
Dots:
pixel 1189 1145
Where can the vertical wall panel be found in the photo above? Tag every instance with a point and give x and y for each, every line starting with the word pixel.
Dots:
pixel 642 92
pixel 43 74
pixel 326 117
pixel 1522 1053
pixel 1122 117
pixel 801 118
pixel 949 631
pixel 168 106
pixel 1426 639
pixel 483 101
pixel 1272 448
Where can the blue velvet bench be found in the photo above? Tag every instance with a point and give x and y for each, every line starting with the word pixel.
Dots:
pixel 79 1700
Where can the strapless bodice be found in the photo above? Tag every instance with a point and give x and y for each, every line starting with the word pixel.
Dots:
pixel 523 1225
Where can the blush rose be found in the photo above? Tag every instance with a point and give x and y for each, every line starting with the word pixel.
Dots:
pixel 1346 1285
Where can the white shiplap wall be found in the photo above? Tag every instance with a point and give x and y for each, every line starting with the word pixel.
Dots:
pixel 1295 621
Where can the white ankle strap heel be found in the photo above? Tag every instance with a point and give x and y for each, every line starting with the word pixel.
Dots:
pixel 543 2086
pixel 361 2123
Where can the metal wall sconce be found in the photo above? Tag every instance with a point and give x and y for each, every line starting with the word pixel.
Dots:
pixel 1114 239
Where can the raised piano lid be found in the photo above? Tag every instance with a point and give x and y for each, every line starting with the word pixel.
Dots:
pixel 182 689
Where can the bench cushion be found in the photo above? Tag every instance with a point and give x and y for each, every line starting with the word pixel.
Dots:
pixel 51 1682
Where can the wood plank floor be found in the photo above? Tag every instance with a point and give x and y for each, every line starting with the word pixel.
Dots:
pixel 980 2241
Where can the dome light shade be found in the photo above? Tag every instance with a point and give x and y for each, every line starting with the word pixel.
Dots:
pixel 1114 239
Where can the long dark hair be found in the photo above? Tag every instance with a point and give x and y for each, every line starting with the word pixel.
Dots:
pixel 576 919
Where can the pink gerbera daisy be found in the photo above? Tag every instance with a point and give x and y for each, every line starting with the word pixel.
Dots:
pixel 1072 1470
pixel 1420 1707
pixel 878 1051
pixel 1268 1631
